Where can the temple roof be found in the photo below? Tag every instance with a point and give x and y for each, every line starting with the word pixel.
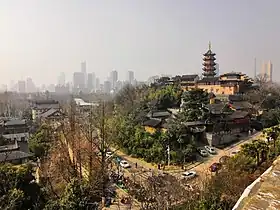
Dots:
pixel 208 79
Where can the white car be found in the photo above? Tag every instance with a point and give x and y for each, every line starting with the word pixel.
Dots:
pixel 109 154
pixel 202 152
pixel 124 164
pixel 188 175
pixel 209 149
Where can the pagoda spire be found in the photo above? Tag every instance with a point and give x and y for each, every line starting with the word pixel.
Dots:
pixel 209 64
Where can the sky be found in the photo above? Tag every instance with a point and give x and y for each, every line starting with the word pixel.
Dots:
pixel 41 38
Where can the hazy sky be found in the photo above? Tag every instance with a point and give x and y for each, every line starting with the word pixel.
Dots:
pixel 41 38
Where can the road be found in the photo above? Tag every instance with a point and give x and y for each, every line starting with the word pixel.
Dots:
pixel 203 168
pixel 144 169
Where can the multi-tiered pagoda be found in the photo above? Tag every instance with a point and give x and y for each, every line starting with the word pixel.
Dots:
pixel 209 63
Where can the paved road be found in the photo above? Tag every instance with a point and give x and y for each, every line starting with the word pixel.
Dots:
pixel 203 168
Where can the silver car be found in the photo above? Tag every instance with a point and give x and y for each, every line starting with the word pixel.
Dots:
pixel 210 149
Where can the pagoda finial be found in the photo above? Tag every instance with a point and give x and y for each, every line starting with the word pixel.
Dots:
pixel 209 45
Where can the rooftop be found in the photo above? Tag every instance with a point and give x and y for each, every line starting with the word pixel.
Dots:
pixel 13 155
pixel 15 122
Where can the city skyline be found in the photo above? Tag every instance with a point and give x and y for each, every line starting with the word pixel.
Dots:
pixel 39 39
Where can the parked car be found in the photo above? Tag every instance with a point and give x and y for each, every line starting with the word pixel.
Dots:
pixel 215 167
pixel 124 164
pixel 202 152
pixel 109 154
pixel 210 149
pixel 188 175
pixel 233 153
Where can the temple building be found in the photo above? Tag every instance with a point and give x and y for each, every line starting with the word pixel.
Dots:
pixel 225 84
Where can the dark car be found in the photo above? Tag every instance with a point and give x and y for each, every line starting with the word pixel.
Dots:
pixel 215 167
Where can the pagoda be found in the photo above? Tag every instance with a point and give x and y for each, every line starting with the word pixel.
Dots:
pixel 209 63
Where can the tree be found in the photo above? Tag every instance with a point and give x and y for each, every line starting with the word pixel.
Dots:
pixel 39 143
pixel 18 189
pixel 193 107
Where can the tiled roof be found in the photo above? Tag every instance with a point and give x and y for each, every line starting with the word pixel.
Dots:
pixel 208 79
pixel 39 102
pixel 49 113
pixel 190 77
pixel 238 114
pixel 241 105
pixel 235 98
pixel 152 123
pixel 15 122
pixel 13 155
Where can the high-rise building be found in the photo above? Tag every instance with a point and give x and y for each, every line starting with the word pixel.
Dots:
pixel 21 86
pixel 30 86
pixel 107 86
pixel 61 79
pixel 84 70
pixel 97 84
pixel 130 77
pixel 78 81
pixel 114 79
pixel 267 71
pixel 90 82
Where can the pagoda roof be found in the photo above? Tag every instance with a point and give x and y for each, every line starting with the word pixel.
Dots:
pixel 208 79
pixel 190 77
pixel 233 74
pixel 209 53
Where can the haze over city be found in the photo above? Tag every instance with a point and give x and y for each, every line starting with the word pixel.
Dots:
pixel 40 39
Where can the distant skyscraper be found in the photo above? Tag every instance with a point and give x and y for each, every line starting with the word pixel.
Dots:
pixel 267 71
pixel 30 86
pixel 21 86
pixel 130 77
pixel 97 84
pixel 79 81
pixel 114 79
pixel 61 79
pixel 84 70
pixel 107 87
pixel 90 82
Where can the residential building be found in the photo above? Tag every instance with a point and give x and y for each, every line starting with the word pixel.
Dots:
pixel 15 130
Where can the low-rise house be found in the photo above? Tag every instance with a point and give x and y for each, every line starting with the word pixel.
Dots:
pixel 15 130
pixel 41 106
pixel 15 157
pixel 52 115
